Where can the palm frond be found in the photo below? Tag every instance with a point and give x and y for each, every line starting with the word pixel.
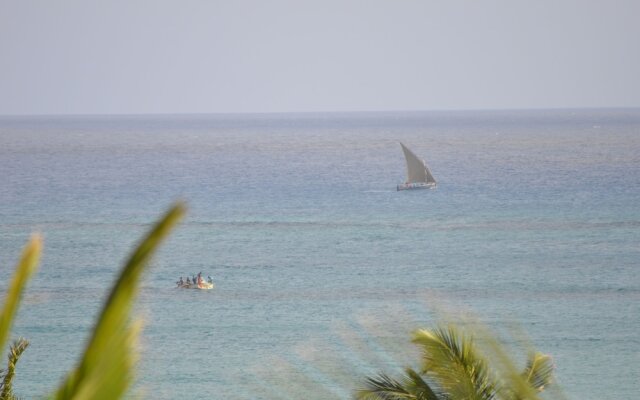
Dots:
pixel 450 357
pixel 539 371
pixel 383 387
pixel 27 265
pixel 105 370
pixel 412 386
pixel 418 386
pixel 514 384
pixel 15 351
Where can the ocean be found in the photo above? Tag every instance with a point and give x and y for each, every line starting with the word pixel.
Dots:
pixel 322 268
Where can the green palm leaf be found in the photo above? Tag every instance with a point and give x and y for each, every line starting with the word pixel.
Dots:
pixel 105 370
pixel 383 387
pixel 15 351
pixel 450 357
pixel 514 384
pixel 417 385
pixel 411 387
pixel 453 368
pixel 539 371
pixel 27 265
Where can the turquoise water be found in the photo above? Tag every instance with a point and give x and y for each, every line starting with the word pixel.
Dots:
pixel 321 266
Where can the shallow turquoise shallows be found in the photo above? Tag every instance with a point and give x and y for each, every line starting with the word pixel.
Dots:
pixel 322 268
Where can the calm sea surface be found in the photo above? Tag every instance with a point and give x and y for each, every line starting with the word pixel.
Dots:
pixel 322 268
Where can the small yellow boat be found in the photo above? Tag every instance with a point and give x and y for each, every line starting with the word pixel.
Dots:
pixel 201 286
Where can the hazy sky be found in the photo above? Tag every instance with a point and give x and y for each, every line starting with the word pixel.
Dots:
pixel 187 56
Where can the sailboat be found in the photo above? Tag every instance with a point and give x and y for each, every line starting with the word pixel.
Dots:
pixel 418 174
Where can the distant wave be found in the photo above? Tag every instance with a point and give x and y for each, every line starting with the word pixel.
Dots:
pixel 508 225
pixel 435 225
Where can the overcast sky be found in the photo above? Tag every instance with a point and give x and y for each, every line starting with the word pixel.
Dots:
pixel 187 56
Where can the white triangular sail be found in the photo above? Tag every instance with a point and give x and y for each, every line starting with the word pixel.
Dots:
pixel 417 170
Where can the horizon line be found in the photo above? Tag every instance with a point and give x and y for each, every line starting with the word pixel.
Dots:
pixel 241 113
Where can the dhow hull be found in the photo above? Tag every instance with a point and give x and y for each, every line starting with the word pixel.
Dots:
pixel 416 185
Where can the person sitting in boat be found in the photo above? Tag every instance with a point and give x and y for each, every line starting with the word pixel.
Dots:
pixel 188 281
pixel 180 282
pixel 199 277
pixel 209 280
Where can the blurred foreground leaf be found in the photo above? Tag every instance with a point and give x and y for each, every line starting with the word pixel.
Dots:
pixel 106 368
pixel 27 265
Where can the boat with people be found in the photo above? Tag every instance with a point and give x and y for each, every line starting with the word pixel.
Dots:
pixel 196 282
pixel 418 174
